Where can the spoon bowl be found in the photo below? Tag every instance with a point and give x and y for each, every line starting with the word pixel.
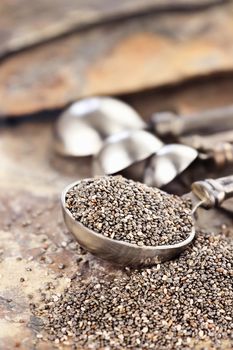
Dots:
pixel 123 150
pixel 81 129
pixel 119 252
pixel 170 161
pixel 208 194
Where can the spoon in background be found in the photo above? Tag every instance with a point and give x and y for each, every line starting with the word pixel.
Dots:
pixel 207 194
pixel 81 129
pixel 168 123
pixel 218 146
pixel 84 130
pixel 124 149
pixel 170 161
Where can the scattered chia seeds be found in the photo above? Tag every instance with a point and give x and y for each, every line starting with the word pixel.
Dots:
pixel 129 211
pixel 183 304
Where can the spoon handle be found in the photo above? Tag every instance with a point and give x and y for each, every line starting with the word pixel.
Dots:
pixel 207 142
pixel 169 123
pixel 213 192
pixel 222 154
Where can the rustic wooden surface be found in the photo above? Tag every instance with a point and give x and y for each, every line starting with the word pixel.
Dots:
pixel 25 22
pixel 125 56
pixel 32 229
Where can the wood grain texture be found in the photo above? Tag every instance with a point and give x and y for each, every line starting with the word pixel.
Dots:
pixel 133 55
pixel 25 22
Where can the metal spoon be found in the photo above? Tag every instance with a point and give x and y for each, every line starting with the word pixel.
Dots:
pixel 217 147
pixel 207 142
pixel 207 193
pixel 169 123
pixel 81 129
pixel 123 150
pixel 170 161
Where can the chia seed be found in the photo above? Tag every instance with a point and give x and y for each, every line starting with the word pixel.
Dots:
pixel 129 211
pixel 183 304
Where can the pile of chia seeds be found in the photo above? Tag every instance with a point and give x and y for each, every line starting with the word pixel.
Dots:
pixel 129 211
pixel 183 304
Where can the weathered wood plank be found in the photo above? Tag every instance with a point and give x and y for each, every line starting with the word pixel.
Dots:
pixel 136 54
pixel 25 22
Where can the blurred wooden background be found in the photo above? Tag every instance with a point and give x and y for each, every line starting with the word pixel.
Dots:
pixel 55 52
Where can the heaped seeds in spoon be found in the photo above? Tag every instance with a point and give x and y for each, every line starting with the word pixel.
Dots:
pixel 129 211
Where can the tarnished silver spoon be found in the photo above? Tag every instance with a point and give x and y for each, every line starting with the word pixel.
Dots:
pixel 169 123
pixel 81 129
pixel 208 194
pixel 170 161
pixel 123 150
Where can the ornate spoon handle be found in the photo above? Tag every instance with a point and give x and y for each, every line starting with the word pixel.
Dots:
pixel 213 192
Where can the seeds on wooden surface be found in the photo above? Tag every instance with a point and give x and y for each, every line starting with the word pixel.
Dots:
pixel 175 305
